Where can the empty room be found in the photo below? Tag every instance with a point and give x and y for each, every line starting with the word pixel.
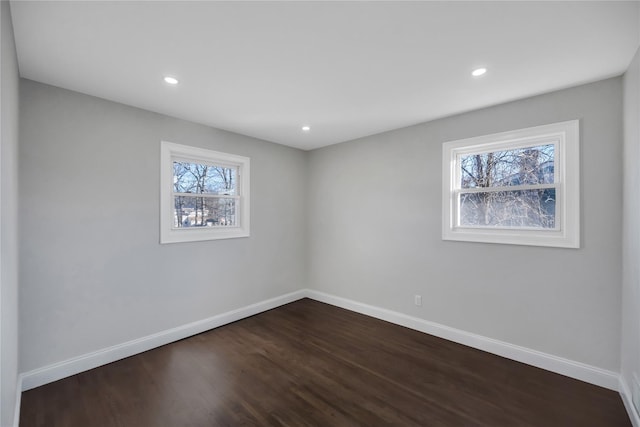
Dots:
pixel 319 213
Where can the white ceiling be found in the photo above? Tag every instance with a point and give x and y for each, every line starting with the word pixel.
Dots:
pixel 347 69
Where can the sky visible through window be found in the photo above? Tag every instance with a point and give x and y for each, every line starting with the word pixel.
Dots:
pixel 211 186
pixel 201 178
pixel 529 165
pixel 488 201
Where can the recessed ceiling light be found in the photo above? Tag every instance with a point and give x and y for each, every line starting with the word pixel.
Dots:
pixel 171 80
pixel 478 72
pixel 306 128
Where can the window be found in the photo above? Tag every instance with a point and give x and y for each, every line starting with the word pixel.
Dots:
pixel 204 194
pixel 519 187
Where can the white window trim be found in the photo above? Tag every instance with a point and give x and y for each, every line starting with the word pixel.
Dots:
pixel 566 137
pixel 168 233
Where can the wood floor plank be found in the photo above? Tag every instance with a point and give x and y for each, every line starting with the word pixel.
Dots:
pixel 311 364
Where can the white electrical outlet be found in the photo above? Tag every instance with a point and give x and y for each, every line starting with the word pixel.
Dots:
pixel 418 300
pixel 635 392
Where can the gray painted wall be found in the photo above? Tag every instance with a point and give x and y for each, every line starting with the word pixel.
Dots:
pixel 361 220
pixel 9 87
pixel 92 271
pixel 375 233
pixel 631 226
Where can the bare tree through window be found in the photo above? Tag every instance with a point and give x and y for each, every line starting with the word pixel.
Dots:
pixel 510 188
pixel 203 195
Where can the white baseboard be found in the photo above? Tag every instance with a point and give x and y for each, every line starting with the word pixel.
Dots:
pixel 560 365
pixel 57 371
pixel 628 403
pixel 16 410
pixel 570 368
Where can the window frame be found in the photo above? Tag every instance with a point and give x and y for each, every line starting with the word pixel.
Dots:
pixel 566 138
pixel 170 152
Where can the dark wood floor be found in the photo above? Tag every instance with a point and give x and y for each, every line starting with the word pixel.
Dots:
pixel 311 364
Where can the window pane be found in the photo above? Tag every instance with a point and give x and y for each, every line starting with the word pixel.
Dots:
pixel 201 178
pixel 526 208
pixel 521 166
pixel 192 211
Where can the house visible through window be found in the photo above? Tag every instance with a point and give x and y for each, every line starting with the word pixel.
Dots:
pixel 204 194
pixel 517 187
pixel 511 188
